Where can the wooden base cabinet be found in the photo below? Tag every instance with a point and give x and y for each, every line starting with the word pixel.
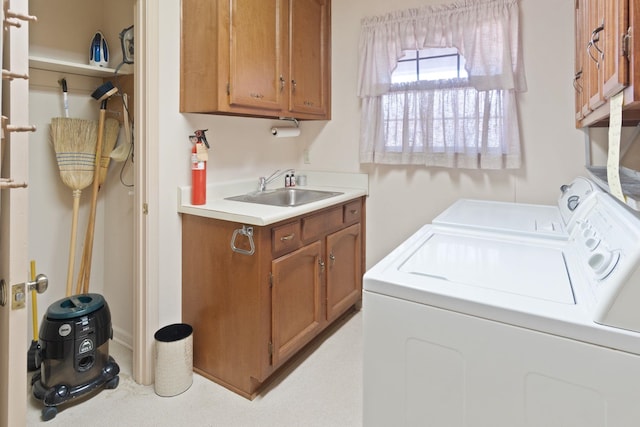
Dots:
pixel 253 313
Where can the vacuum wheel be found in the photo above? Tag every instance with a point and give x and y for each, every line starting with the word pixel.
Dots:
pixel 49 413
pixel 112 383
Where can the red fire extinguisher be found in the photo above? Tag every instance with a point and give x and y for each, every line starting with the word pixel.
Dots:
pixel 199 158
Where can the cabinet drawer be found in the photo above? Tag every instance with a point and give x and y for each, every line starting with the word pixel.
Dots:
pixel 285 238
pixel 315 226
pixel 352 211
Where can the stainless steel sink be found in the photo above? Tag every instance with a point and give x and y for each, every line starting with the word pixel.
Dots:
pixel 284 196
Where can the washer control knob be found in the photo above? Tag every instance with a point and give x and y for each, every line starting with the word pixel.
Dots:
pixel 573 202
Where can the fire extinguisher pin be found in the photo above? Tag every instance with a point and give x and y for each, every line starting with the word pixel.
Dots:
pixel 200 134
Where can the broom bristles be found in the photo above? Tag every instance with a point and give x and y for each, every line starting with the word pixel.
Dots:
pixel 111 131
pixel 74 141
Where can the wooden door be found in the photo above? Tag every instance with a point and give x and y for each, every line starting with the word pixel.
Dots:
pixel 257 48
pixel 296 303
pixel 309 53
pixel 344 270
pixel 14 203
pixel 614 63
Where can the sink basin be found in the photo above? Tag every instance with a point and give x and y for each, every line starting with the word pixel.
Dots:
pixel 284 196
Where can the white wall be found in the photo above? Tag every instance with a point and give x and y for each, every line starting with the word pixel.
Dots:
pixel 401 198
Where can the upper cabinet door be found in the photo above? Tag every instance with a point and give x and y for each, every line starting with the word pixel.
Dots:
pixel 257 48
pixel 614 56
pixel 237 57
pixel 309 57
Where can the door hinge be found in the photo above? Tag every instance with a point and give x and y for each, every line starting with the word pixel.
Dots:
pixel 145 209
pixel 270 349
pixel 626 42
pixel 228 88
pixel 270 280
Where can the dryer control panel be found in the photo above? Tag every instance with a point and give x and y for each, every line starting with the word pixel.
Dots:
pixel 605 237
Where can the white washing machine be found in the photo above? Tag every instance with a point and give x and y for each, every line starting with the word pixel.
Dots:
pixel 470 327
pixel 537 220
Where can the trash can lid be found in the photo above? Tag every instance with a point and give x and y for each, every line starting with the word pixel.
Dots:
pixel 172 333
pixel 75 306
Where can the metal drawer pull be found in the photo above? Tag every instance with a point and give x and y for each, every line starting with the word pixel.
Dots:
pixel 332 257
pixel 244 231
pixel 288 237
pixel 353 211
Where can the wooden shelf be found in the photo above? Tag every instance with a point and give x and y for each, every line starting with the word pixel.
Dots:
pixel 50 64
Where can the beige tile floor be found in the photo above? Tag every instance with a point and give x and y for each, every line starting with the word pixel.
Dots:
pixel 322 388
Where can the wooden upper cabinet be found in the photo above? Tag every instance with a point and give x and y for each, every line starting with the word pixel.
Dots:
pixel 257 41
pixel 309 57
pixel 239 57
pixel 615 67
pixel 594 32
pixel 606 57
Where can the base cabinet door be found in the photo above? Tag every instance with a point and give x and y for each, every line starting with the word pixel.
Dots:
pixel 344 270
pixel 296 301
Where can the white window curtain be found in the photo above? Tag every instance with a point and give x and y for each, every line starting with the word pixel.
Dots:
pixel 463 123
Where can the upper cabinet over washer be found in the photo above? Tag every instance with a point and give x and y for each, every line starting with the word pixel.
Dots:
pixel 262 58
pixel 607 59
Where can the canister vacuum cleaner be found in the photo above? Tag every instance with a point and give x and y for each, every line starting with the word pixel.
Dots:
pixel 74 352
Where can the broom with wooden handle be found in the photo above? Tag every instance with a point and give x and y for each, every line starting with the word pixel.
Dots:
pixel 102 94
pixel 74 141
pixel 111 131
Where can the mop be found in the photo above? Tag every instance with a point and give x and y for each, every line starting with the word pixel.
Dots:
pixel 74 141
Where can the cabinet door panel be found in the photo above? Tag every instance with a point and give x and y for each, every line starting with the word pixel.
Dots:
pixel 344 270
pixel 257 46
pixel 580 63
pixel 296 303
pixel 615 72
pixel 309 56
pixel 595 21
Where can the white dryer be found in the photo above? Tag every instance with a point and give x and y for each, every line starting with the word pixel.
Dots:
pixel 537 220
pixel 468 327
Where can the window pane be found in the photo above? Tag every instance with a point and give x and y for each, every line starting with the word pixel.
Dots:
pixel 405 72
pixel 437 68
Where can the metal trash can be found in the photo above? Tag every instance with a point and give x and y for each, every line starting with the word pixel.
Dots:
pixel 174 359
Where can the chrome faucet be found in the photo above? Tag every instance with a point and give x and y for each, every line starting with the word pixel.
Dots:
pixel 262 181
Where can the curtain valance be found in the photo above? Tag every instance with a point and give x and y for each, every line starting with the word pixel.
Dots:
pixel 485 32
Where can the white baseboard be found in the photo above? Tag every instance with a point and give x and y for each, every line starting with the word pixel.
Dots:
pixel 123 337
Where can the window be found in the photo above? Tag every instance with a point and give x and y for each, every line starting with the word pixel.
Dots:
pixel 429 64
pixel 451 105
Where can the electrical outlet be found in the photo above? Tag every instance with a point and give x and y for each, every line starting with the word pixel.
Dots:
pixel 305 155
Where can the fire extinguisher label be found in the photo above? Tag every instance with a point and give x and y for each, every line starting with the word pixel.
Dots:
pixel 196 165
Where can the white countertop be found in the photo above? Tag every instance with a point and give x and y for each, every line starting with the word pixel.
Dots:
pixel 352 185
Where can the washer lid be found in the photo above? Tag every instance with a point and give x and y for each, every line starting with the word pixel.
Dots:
pixel 525 269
